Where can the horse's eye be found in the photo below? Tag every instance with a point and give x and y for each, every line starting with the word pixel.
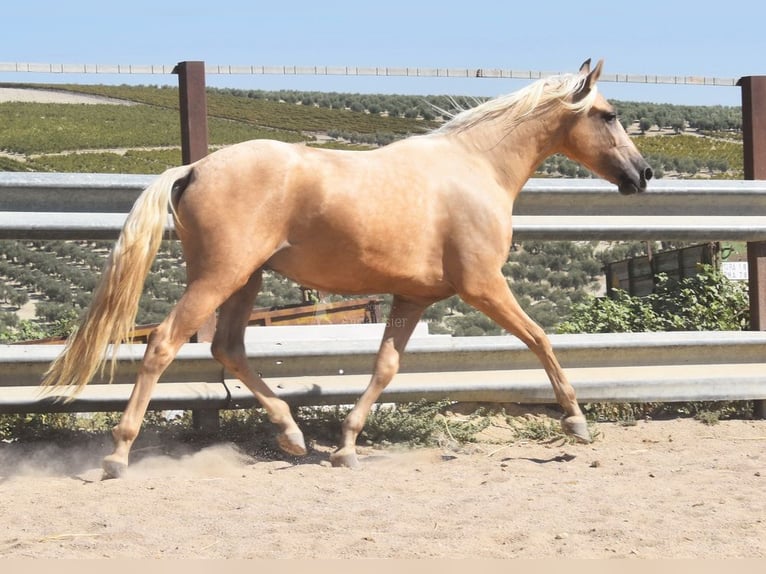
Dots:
pixel 610 117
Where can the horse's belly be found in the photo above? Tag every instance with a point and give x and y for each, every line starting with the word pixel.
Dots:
pixel 346 273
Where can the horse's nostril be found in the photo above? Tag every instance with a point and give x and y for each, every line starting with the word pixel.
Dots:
pixel 648 173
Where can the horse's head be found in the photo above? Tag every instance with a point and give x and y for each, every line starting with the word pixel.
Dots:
pixel 597 140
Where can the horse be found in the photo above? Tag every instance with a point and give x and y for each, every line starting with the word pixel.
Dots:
pixel 422 219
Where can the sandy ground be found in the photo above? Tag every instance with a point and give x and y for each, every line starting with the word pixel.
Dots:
pixel 663 489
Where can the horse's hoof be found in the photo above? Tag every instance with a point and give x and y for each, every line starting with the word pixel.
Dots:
pixel 113 468
pixel 576 426
pixel 342 459
pixel 292 443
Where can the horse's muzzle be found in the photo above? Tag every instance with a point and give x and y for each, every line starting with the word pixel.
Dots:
pixel 631 185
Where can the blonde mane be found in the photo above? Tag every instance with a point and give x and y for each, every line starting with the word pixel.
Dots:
pixel 524 103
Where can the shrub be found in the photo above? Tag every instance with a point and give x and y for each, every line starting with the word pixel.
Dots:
pixel 708 301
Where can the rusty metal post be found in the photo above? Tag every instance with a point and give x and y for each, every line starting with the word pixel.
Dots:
pixel 193 102
pixel 754 149
pixel 194 137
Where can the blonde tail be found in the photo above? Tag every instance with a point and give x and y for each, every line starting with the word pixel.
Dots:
pixel 111 316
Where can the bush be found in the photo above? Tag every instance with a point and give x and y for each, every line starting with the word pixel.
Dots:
pixel 23 330
pixel 708 301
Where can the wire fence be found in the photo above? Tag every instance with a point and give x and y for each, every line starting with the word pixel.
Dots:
pixel 500 73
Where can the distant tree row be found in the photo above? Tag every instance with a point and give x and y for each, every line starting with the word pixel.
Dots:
pixel 679 117
pixel 431 107
pixel 376 139
pixel 440 107
pixel 221 103
pixel 689 154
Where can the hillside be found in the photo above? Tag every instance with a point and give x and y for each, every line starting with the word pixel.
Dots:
pixel 47 284
pixel 681 141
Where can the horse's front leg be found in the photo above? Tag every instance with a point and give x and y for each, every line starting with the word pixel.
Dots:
pixel 401 322
pixel 492 296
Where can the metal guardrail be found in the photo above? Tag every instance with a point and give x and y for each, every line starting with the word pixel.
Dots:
pixel 62 206
pixel 616 367
pixel 644 367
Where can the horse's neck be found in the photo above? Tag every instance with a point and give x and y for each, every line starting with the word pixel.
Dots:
pixel 514 154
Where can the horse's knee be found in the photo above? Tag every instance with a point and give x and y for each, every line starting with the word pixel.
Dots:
pixel 387 362
pixel 386 370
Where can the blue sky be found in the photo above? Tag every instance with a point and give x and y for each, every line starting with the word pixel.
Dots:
pixel 723 40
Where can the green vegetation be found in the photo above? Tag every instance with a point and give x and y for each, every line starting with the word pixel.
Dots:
pixel 413 424
pixel 285 111
pixel 707 412
pixel 52 281
pixel 61 276
pixel 131 161
pixel 706 119
pixel 691 155
pixel 708 301
pixel 365 120
pixel 223 102
pixel 30 128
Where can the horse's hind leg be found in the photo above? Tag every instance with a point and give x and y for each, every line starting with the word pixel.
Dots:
pixel 493 297
pixel 198 302
pixel 401 322
pixel 229 349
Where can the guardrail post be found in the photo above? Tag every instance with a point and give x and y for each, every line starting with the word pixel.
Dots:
pixel 194 136
pixel 193 104
pixel 754 149
pixel 194 145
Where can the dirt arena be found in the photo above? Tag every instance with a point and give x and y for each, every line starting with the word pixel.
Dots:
pixel 659 489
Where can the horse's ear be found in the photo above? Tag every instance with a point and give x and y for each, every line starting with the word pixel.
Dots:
pixel 591 79
pixel 594 75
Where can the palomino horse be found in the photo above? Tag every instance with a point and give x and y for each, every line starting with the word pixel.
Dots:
pixel 424 218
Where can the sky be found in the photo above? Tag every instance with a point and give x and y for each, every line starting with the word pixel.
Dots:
pixel 721 40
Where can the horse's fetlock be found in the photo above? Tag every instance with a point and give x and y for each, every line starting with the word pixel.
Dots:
pixel 353 423
pixel 279 414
